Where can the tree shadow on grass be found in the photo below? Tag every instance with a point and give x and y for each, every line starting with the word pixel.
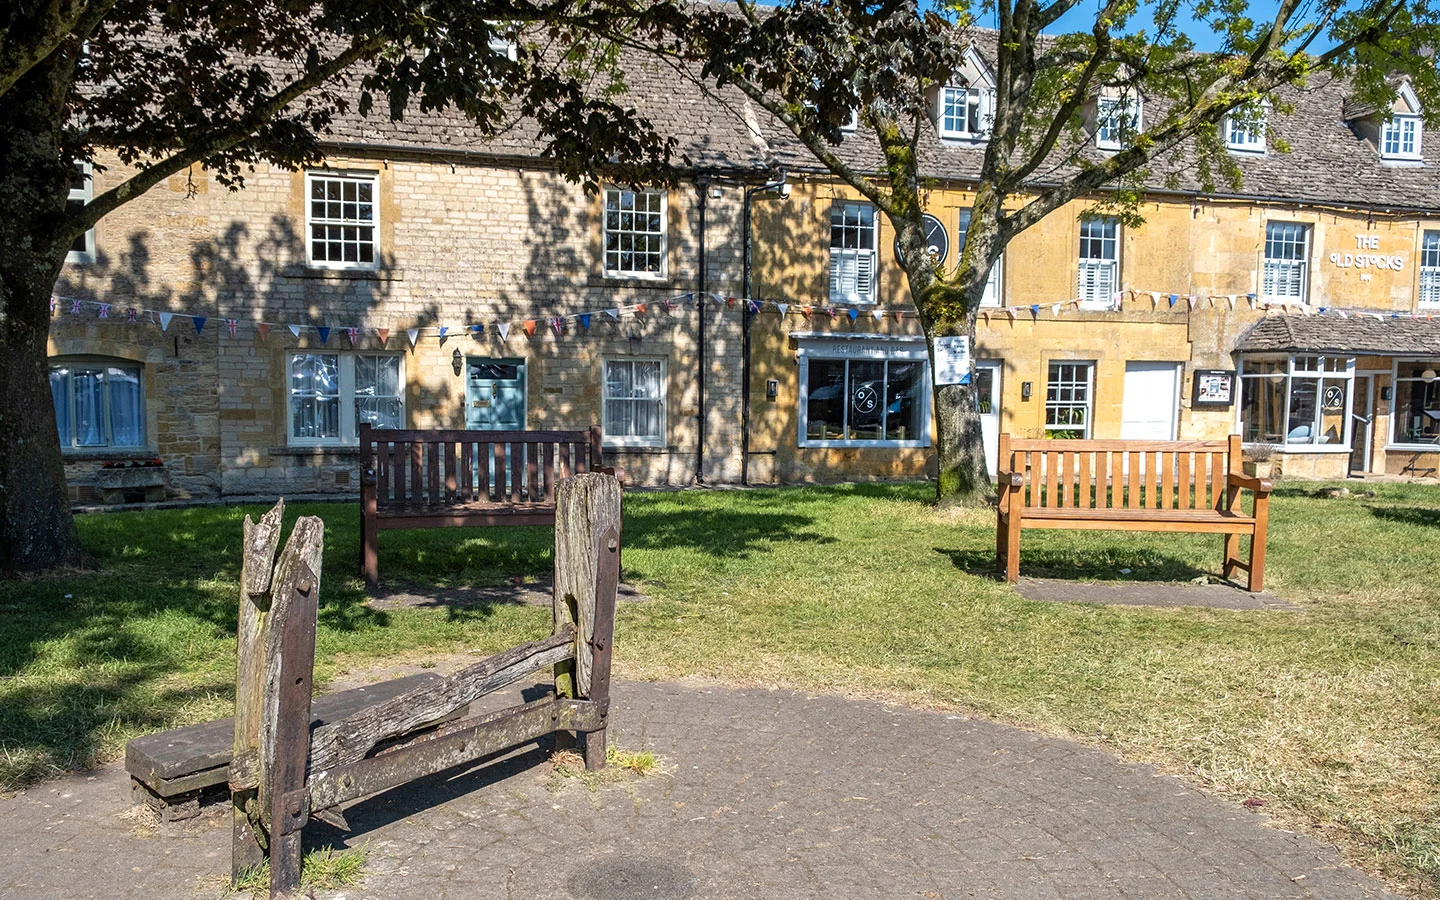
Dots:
pixel 717 533
pixel 1080 565
pixel 1408 515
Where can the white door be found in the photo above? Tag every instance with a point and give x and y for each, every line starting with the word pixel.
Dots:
pixel 987 398
pixel 1152 401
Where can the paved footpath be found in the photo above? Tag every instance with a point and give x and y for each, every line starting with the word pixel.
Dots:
pixel 767 794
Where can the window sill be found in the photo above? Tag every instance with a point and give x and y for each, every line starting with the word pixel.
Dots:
pixel 648 282
pixel 317 452
pixel 1412 448
pixel 640 449
pixel 356 274
pixel 863 445
pixel 1308 448
pixel 102 454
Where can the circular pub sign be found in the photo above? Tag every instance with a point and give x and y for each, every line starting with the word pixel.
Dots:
pixel 866 399
pixel 1334 397
pixel 936 240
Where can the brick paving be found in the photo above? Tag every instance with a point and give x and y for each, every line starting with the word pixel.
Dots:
pixel 766 794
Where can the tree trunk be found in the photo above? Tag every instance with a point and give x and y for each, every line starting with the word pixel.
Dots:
pixel 36 529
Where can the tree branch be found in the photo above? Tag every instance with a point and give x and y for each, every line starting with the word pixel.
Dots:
pixel 60 20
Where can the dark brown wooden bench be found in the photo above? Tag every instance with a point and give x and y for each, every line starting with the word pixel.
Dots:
pixel 169 771
pixel 1171 486
pixel 441 479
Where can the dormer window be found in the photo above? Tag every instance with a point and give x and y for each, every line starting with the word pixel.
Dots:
pixel 964 112
pixel 1117 120
pixel 1400 138
pixel 1245 130
pixel 852 123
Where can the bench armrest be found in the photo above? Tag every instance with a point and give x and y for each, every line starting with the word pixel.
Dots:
pixel 1009 479
pixel 367 476
pixel 1251 483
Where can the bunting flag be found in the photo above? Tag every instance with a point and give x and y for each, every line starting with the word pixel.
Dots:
pixel 231 325
pixel 443 330
pixel 558 324
pixel 75 307
pixel 52 306
pixel 295 330
pixel 264 329
pixel 1010 311
pixel 1191 301
pixel 324 332
pixel 730 301
pixel 854 313
pixel 640 309
pixel 504 329
pixel 199 322
pixel 1055 309
pixel 130 315
pixel 753 306
pixel 1116 297
pixel 104 310
pixel 165 318
pixel 613 312
pixel 1155 299
pixel 353 334
pixel 1035 309
pixel 878 314
pixel 585 321
pixel 414 335
pixel 1231 300
pixel 783 307
pixel 529 327
pixel 898 314
pixel 477 331
pixel 669 304
pixel 384 335
pixel 1174 298
pixel 806 311
pixel 830 311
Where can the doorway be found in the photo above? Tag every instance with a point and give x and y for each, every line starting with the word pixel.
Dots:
pixel 987 402
pixel 1362 420
pixel 495 394
pixel 1150 410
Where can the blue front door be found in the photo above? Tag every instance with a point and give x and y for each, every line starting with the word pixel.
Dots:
pixel 495 394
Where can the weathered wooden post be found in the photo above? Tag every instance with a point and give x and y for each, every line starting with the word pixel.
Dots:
pixel 587 573
pixel 274 679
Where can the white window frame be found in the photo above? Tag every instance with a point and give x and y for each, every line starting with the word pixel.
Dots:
pixel 624 440
pixel 83 194
pixel 103 362
pixel 877 348
pixel 861 256
pixel 1395 379
pixel 349 435
pixel 371 178
pixel 1246 130
pixel 1396 128
pixel 982 99
pixel 1267 283
pixel 995 283
pixel 1092 269
pixel 1320 373
pixel 1428 285
pixel 605 232
pixel 853 123
pixel 1088 405
pixel 1108 110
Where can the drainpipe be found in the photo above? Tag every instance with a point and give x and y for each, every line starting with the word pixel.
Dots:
pixel 783 189
pixel 702 187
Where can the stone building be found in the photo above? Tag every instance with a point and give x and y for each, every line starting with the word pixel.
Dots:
pixel 424 277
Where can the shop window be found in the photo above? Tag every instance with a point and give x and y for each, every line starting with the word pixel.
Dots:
pixel 1099 262
pixel 634 233
pixel 1296 401
pixel 852 253
pixel 1416 414
pixel 1069 389
pixel 1285 278
pixel 98 404
pixel 874 401
pixel 341 218
pixel 992 283
pixel 635 402
pixel 332 394
pixel 1430 269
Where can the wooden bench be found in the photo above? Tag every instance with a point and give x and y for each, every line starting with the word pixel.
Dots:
pixel 170 771
pixel 440 479
pixel 1173 486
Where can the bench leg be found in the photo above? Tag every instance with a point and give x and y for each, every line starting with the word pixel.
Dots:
pixel 1257 544
pixel 369 551
pixel 1232 554
pixel 1012 549
pixel 592 747
pixel 1000 544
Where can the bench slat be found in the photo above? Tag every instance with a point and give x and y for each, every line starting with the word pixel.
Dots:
pixel 409 435
pixel 1182 478
pixel 382 472
pixel 1168 515
pixel 1132 459
pixel 549 472
pixel 1052 479
pixel 1217 480
pixel 1125 446
pixel 433 475
pixel 1087 500
pixel 532 472
pixel 417 486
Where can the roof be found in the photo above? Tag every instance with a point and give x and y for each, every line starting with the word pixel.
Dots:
pixel 1362 331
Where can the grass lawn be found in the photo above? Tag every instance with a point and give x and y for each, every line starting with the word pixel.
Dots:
pixel 1330 715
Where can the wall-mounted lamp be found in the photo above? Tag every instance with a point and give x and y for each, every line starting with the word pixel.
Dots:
pixel 457 362
pixel 1024 390
pixel 772 389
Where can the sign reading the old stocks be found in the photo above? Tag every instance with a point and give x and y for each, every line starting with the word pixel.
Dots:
pixel 1365 256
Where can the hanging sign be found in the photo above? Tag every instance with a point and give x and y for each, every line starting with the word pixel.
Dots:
pixel 952 360
pixel 1213 388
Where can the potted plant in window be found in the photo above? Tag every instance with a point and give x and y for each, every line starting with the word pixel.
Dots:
pixel 1260 461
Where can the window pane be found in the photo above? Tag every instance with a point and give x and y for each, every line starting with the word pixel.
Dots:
pixel 1334 396
pixel 825 406
pixel 315 396
pixel 60 395
pixel 1262 404
pixel 905 401
pixel 1417 404
pixel 867 400
pixel 1067 400
pixel 89 424
pixel 127 427
pixel 1304 405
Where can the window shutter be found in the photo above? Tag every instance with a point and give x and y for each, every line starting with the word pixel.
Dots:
pixel 1105 283
pixel 865 275
pixel 837 272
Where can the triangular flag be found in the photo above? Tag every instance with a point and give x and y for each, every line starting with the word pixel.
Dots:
pixel 199 323
pixel 324 332
pixel 672 303
pixel 1174 298
pixel 1116 297
pixel 52 306
pixel 1010 311
pixel 783 307
pixel 558 323
pixel 414 335
pixel 231 325
pixel 353 334
pixel 1055 309
pixel 104 310
pixel 477 331
pixel 613 313
pixel 640 309
pixel 295 330
pixel 165 320
pixel 1035 309
pixel 830 311
pixel 754 306
pixel 585 321
pixel 383 334
pixel 75 307
pixel 806 311
pixel 1191 301
pixel 130 315
pixel 504 329
pixel 898 314
pixel 529 327
pixel 1231 300
pixel 263 328
pixel 730 301
pixel 878 314
pixel 443 330
pixel 854 313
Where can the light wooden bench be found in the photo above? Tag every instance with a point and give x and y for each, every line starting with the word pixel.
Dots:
pixel 1172 486
pixel 440 479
